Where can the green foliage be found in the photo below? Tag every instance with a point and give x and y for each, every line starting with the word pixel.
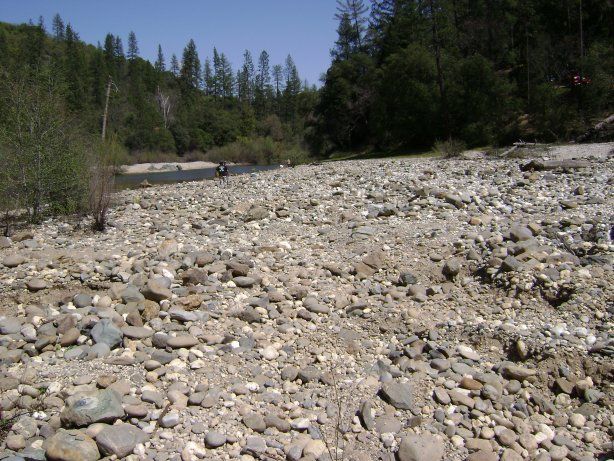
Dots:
pixel 262 151
pixel 42 154
pixel 182 110
pixel 479 71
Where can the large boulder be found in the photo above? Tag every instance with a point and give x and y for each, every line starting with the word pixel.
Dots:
pixel 85 408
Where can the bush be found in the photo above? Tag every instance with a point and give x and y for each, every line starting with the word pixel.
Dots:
pixel 450 148
pixel 259 151
pixel 42 154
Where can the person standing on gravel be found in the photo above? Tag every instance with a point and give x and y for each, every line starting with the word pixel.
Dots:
pixel 222 173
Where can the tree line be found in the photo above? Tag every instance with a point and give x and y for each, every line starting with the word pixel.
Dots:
pixel 406 73
pixel 177 105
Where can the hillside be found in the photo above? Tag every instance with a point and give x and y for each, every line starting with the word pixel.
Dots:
pixel 176 105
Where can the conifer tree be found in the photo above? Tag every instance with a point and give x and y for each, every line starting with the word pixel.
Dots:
pixel 190 65
pixel 118 48
pixel 263 90
pixel 58 27
pixel 174 65
pixel 133 48
pixel 227 77
pixel 354 12
pixel 245 78
pixel 160 65
pixel 208 78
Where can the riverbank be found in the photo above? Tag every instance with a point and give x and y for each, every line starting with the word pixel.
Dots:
pixel 140 168
pixel 461 308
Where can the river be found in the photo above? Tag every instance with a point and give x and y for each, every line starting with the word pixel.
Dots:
pixel 131 181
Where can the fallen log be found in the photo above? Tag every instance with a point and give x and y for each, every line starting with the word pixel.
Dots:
pixel 543 165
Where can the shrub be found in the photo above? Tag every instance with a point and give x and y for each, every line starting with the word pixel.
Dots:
pixel 105 159
pixel 450 148
pixel 42 154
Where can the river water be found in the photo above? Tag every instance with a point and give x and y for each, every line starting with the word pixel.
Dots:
pixel 130 181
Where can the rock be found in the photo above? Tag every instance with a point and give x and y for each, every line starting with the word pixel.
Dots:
pixel 214 439
pixel 397 394
pixel 256 213
pixel 9 325
pixel 423 447
pixel 517 372
pixel 36 284
pixel 451 268
pixel 156 290
pixel 84 408
pixel 106 332
pixel 13 260
pixel 136 332
pixel 179 341
pixel 71 445
pixel 120 440
pixel 407 278
pixel 255 422
pixel 244 282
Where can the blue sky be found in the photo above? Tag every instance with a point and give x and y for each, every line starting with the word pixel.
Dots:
pixel 305 29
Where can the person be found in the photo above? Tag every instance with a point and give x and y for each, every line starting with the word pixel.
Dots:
pixel 222 173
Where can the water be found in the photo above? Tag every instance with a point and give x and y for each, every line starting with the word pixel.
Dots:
pixel 130 181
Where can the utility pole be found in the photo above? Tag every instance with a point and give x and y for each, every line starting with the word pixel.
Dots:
pixel 106 107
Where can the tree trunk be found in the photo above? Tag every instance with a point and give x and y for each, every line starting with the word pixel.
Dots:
pixel 106 108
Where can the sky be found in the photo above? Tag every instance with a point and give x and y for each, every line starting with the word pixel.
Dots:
pixel 305 29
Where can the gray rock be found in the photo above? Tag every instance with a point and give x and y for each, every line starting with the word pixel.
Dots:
pixel 85 408
pixel 105 331
pixel 36 284
pixel 10 326
pixel 82 300
pixel 397 394
pixel 255 422
pixel 120 440
pixel 244 282
pixel 214 439
pixel 71 445
pixel 156 290
pixel 131 294
pixel 13 260
pixel 423 447
pixel 180 341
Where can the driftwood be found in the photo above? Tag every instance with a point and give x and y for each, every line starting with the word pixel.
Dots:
pixel 543 165
pixel 523 145
pixel 605 124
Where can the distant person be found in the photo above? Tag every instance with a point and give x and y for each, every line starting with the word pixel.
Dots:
pixel 288 163
pixel 222 173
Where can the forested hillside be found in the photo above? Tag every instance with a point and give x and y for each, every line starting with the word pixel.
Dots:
pixel 176 105
pixel 406 73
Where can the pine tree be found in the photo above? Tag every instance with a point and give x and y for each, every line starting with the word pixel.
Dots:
pixel 160 65
pixel 354 12
pixel 217 73
pixel 208 78
pixel 58 27
pixel 174 65
pixel 118 48
pixel 133 48
pixel 190 66
pixel 347 39
pixel 278 78
pixel 75 66
pixel 41 24
pixel 245 78
pixel 263 90
pixel 227 77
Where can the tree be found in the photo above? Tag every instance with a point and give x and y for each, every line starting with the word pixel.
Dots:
pixel 42 160
pixel 352 12
pixel 160 66
pixel 208 78
pixel 245 79
pixel 278 75
pixel 133 48
pixel 58 27
pixel 174 65
pixel 263 91
pixel 190 66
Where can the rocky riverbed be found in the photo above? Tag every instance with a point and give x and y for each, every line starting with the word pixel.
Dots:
pixel 417 310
